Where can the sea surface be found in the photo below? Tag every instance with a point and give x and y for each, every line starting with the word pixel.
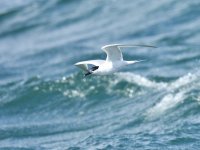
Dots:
pixel 46 103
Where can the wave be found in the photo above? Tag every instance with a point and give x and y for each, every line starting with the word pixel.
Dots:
pixel 172 93
pixel 45 38
pixel 176 93
pixel 77 88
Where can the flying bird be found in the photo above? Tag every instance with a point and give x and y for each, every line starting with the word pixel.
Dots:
pixel 113 63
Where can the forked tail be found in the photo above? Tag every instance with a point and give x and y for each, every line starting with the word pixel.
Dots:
pixel 133 61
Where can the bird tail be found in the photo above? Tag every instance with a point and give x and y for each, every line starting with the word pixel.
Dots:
pixel 133 61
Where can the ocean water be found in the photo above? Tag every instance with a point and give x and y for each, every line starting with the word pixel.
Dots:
pixel 47 104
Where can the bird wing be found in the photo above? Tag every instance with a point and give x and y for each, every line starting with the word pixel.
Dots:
pixel 84 64
pixel 114 53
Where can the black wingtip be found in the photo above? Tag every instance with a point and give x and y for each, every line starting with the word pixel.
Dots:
pixel 86 74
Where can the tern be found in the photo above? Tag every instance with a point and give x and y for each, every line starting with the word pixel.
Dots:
pixel 113 63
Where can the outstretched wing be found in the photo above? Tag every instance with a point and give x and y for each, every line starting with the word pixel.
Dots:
pixel 114 53
pixel 84 64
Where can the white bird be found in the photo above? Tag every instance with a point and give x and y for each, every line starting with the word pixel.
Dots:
pixel 113 63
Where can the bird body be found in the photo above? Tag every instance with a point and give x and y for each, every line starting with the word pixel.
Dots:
pixel 113 63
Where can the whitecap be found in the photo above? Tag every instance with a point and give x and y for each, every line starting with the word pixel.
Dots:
pixel 176 93
pixel 169 101
pixel 139 80
pixel 182 81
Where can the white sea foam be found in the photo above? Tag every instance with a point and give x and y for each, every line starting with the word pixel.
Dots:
pixel 198 99
pixel 176 94
pixel 74 93
pixel 142 81
pixel 167 102
pixel 182 81
pixel 175 91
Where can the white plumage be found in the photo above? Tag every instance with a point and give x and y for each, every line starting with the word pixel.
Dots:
pixel 113 63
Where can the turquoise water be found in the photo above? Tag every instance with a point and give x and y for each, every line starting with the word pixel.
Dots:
pixel 46 103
